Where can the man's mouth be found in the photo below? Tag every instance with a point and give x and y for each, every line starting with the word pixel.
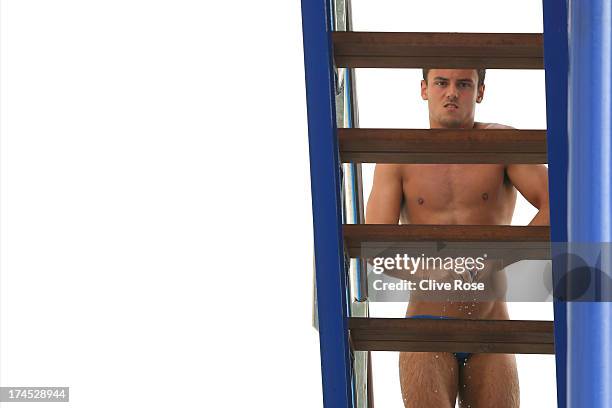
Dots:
pixel 451 106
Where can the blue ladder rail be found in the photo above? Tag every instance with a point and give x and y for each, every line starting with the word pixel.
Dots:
pixel 556 71
pixel 326 205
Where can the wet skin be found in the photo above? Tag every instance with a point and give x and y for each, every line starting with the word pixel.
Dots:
pixel 458 195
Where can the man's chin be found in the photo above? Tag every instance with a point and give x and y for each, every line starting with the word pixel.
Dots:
pixel 451 123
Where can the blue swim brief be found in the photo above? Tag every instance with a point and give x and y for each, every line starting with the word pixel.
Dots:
pixel 460 356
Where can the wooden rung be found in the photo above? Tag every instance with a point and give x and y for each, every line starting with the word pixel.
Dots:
pixel 357 233
pixel 521 242
pixel 449 335
pixel 438 50
pixel 506 146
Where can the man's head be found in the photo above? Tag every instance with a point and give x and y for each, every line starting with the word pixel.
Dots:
pixel 452 95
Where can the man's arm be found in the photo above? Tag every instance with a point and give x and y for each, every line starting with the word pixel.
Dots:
pixel 532 181
pixel 385 202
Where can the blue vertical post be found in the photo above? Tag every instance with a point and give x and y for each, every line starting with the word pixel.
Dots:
pixel 590 201
pixel 556 62
pixel 326 205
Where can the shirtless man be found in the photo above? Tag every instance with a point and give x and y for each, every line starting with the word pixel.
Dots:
pixel 483 194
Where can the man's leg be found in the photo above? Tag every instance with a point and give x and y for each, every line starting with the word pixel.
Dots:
pixel 489 381
pixel 428 380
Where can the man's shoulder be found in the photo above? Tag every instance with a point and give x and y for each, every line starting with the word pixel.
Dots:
pixel 480 125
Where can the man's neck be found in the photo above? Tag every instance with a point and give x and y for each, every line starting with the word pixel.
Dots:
pixel 467 125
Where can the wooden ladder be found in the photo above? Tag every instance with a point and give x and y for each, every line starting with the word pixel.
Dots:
pixel 443 50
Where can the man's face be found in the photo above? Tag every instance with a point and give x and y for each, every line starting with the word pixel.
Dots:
pixel 452 95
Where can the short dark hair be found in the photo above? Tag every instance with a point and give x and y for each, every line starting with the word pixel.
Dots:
pixel 481 75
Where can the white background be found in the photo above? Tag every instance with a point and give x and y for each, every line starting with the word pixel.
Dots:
pixel 156 228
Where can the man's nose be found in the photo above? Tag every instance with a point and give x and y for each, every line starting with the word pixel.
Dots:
pixel 452 91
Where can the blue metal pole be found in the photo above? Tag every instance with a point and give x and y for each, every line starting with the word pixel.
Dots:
pixel 326 205
pixel 590 202
pixel 556 64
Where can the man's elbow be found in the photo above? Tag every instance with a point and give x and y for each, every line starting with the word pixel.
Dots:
pixel 542 218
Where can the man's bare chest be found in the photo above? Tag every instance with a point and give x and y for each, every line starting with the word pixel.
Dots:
pixel 440 186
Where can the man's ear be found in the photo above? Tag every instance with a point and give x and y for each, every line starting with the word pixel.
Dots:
pixel 423 89
pixel 480 94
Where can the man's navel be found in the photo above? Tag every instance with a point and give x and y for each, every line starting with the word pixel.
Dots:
pixel 420 201
pixel 485 196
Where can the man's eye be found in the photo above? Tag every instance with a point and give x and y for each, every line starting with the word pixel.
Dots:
pixel 465 85
pixel 440 83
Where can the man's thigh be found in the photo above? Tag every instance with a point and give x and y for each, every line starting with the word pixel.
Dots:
pixel 489 381
pixel 428 380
